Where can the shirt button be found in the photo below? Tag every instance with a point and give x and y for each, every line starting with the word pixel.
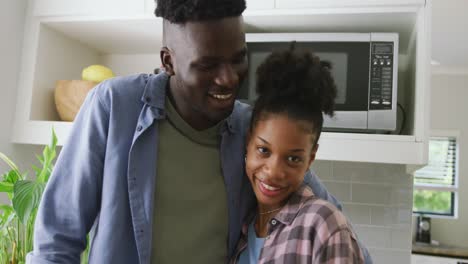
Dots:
pixel 139 128
pixel 273 222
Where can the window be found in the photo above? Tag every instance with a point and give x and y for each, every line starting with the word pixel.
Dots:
pixel 435 185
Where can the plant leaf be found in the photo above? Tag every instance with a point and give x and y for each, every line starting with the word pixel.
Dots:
pixel 12 177
pixel 6 210
pixel 6 187
pixel 27 195
pixel 5 207
pixel 11 164
pixel 48 155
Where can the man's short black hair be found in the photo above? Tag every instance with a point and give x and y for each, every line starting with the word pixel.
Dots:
pixel 182 11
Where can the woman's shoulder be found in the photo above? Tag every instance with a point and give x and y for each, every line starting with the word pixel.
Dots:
pixel 322 216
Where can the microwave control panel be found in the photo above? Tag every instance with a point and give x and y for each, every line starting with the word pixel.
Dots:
pixel 381 76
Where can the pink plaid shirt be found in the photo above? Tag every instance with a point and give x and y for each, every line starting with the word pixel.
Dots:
pixel 306 230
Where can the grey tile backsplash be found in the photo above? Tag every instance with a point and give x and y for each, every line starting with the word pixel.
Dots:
pixel 378 199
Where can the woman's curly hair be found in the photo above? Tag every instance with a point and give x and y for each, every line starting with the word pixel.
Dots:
pixel 295 83
pixel 182 11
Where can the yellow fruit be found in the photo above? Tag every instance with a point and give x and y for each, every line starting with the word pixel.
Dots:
pixel 96 73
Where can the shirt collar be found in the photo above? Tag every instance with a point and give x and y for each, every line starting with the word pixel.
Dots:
pixel 239 120
pixel 155 91
pixel 290 210
pixel 294 204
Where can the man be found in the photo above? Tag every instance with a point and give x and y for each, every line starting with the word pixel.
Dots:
pixel 155 163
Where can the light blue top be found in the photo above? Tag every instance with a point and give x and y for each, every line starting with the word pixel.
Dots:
pixel 105 176
pixel 254 246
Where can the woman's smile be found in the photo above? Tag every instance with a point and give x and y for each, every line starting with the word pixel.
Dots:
pixel 269 189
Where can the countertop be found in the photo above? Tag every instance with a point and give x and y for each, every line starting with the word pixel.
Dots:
pixel 441 250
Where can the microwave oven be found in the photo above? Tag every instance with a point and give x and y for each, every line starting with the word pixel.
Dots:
pixel 364 67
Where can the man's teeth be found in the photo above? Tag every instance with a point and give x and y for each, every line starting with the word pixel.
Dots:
pixel 268 187
pixel 221 96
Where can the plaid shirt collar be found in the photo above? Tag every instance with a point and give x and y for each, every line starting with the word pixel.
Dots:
pixel 294 204
pixel 290 210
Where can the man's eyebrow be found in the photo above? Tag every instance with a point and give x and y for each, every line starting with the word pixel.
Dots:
pixel 240 53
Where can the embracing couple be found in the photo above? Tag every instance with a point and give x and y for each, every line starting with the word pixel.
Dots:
pixel 170 168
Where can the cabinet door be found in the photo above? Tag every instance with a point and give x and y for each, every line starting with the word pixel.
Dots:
pixel 422 259
pixel 150 5
pixel 88 7
pixel 260 4
pixel 284 4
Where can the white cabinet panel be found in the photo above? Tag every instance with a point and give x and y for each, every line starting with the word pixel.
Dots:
pixel 423 259
pixel 260 4
pixel 125 35
pixel 88 7
pixel 150 5
pixel 284 4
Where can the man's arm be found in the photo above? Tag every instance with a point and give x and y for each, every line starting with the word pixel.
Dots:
pixel 319 190
pixel 71 199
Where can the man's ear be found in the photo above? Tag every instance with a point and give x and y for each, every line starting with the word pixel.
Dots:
pixel 166 61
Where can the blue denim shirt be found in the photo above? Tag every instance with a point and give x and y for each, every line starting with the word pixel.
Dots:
pixel 104 177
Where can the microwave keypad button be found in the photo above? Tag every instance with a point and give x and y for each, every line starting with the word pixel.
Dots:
pixel 386 103
pixel 375 102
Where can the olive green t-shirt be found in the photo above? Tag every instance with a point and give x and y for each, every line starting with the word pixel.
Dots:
pixel 190 215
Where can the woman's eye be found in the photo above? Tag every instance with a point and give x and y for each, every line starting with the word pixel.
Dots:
pixel 262 150
pixel 294 159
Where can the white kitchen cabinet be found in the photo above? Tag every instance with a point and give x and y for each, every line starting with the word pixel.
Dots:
pixel 424 259
pixel 150 5
pixel 88 7
pixel 284 4
pixel 260 5
pixel 59 47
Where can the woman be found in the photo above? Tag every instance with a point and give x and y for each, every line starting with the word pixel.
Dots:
pixel 290 224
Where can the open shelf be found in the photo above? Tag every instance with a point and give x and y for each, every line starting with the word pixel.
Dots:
pixel 60 47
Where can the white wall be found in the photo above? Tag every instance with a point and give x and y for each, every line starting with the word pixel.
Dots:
pixel 378 199
pixel 449 109
pixel 12 18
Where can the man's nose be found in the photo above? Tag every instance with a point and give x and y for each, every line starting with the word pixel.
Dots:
pixel 227 76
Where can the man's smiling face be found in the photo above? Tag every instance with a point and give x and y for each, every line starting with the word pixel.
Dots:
pixel 208 62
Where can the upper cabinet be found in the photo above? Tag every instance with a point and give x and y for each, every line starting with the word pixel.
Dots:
pixel 61 39
pixel 88 7
pixel 343 3
pixel 150 5
pixel 260 4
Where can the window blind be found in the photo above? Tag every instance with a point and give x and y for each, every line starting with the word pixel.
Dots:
pixel 440 169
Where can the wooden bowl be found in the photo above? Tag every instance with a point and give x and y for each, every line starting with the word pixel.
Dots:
pixel 69 96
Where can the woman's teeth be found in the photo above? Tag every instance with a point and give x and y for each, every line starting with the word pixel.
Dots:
pixel 221 96
pixel 268 187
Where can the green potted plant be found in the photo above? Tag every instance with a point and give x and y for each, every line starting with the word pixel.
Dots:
pixel 17 218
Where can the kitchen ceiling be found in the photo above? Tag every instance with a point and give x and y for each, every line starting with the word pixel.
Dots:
pixel 450 36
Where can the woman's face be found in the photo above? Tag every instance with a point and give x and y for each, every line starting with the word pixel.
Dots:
pixel 279 152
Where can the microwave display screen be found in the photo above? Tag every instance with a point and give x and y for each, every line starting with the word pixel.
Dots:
pixel 339 62
pixel 350 69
